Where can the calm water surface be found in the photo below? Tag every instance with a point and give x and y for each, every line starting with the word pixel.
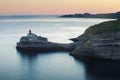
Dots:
pixel 15 65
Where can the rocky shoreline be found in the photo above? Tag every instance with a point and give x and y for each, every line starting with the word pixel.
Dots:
pixel 98 41
pixel 45 46
pixel 32 42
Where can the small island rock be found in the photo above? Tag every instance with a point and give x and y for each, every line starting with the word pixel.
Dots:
pixel 32 42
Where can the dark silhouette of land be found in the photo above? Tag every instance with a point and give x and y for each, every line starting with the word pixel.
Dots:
pixel 88 15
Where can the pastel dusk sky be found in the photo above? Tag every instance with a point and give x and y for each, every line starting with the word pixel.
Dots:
pixel 58 6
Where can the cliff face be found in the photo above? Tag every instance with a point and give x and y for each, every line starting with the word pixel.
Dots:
pixel 100 41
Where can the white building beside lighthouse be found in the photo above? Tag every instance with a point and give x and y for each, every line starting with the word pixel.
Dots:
pixel 31 37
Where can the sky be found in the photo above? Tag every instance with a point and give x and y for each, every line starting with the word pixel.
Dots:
pixel 58 6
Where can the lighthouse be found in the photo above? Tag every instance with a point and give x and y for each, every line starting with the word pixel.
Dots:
pixel 29 31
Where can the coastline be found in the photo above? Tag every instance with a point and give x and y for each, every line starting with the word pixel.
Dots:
pixel 92 43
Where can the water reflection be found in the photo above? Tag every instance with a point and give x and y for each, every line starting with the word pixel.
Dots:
pixel 50 66
pixel 29 56
pixel 61 66
pixel 27 65
pixel 97 69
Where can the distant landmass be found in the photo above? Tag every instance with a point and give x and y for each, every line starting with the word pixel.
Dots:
pixel 88 15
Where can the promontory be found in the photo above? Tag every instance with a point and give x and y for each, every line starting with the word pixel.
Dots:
pixel 98 41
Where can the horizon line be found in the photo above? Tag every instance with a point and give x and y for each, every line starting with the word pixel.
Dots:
pixel 55 13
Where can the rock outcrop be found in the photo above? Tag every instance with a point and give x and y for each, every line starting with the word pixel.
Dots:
pixel 100 41
pixel 32 42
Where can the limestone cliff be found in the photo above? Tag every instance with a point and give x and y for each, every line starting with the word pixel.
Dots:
pixel 100 41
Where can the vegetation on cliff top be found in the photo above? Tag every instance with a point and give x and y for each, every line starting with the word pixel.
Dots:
pixel 104 27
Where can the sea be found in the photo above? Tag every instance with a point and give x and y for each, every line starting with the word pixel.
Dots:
pixel 15 65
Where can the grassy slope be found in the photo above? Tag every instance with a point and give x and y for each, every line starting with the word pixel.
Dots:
pixel 104 27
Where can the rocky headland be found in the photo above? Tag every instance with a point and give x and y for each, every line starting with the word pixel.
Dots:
pixel 99 41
